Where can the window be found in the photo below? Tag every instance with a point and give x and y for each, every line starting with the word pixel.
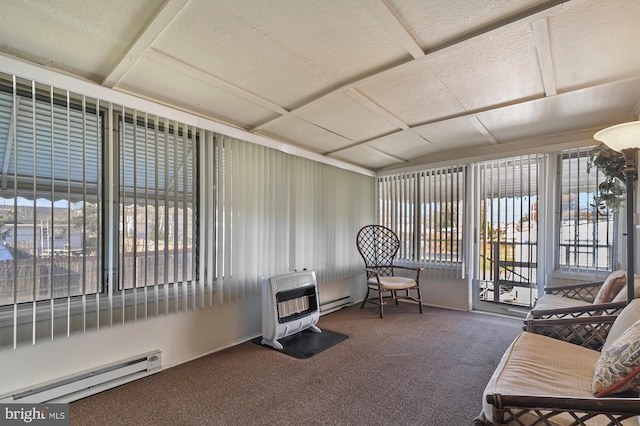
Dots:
pixel 100 214
pixel 586 237
pixel 96 201
pixel 425 210
pixel 50 193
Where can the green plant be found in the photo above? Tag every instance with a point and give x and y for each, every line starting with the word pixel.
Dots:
pixel 611 191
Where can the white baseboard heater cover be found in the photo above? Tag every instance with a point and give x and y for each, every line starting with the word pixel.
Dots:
pixel 89 382
pixel 334 305
pixel 290 304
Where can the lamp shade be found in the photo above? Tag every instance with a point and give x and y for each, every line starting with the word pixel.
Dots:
pixel 620 136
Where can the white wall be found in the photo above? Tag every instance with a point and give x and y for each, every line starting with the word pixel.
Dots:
pixel 181 337
pixel 442 291
pixel 451 293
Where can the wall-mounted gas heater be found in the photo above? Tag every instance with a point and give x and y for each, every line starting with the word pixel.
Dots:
pixel 290 304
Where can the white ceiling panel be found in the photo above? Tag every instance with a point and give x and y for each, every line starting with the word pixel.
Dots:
pixel 342 115
pixel 450 134
pixel 292 128
pixel 405 145
pixel 260 65
pixel 500 68
pixel 364 81
pixel 439 22
pixel 191 94
pixel 413 93
pixel 287 64
pixel 593 107
pixel 595 44
pixel 365 155
pixel 73 35
pixel 317 31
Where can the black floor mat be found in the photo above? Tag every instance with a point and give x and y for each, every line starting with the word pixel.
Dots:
pixel 306 343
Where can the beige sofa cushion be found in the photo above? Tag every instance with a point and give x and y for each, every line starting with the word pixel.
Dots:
pixel 542 366
pixel 629 315
pixel 611 287
pixel 622 294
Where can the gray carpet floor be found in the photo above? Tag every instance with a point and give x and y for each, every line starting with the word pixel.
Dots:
pixel 404 369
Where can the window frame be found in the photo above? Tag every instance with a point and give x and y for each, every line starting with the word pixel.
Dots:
pixel 578 154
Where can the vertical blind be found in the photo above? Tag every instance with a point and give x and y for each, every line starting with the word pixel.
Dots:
pixel 425 209
pixel 109 214
pixel 76 253
pixel 50 143
pixel 157 237
pixel 278 213
pixel 586 232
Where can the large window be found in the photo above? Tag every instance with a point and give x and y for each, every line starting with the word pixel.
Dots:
pixel 107 217
pixel 96 200
pixel 425 209
pixel 586 240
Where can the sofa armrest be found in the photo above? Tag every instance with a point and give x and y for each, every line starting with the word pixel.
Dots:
pixel 578 311
pixel 583 291
pixel 546 408
pixel 587 331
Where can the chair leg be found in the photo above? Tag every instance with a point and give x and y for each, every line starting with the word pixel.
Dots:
pixel 419 298
pixel 381 303
pixel 366 297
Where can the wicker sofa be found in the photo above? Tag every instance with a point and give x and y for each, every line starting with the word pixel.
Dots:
pixel 542 380
pixel 581 299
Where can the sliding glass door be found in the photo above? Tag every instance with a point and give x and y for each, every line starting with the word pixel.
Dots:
pixel 506 213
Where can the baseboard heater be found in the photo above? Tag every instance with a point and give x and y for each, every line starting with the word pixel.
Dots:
pixel 290 304
pixel 334 305
pixel 89 382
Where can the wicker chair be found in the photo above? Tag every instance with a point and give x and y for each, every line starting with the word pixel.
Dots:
pixel 545 381
pixel 378 246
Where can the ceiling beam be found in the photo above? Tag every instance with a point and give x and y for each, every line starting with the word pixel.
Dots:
pixel 375 150
pixel 471 116
pixel 545 59
pixel 154 28
pixel 475 121
pixel 526 17
pixel 372 106
pixel 212 80
pixel 393 23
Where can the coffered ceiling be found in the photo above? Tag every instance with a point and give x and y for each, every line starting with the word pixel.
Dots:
pixel 378 83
